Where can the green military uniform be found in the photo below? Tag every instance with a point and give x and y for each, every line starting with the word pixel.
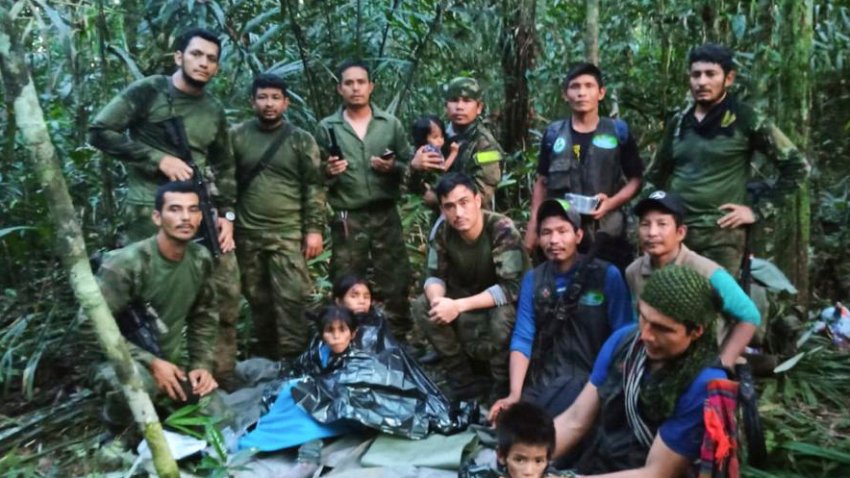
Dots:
pixel 494 262
pixel 366 229
pixel 708 164
pixel 479 156
pixel 130 128
pixel 282 203
pixel 183 296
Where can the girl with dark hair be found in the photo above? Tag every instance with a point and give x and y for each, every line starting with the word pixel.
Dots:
pixel 286 424
pixel 430 132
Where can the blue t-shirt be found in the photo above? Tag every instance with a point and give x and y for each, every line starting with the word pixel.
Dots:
pixel 683 431
pixel 736 302
pixel 620 311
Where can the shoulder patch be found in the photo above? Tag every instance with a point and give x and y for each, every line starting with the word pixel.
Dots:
pixel 605 141
pixel 486 157
pixel 559 146
pixel 592 298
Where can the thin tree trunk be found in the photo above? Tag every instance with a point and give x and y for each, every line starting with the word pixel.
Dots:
pixel 419 52
pixel 591 39
pixel 519 44
pixel 793 226
pixel 105 163
pixel 387 28
pixel 29 116
pixel 288 11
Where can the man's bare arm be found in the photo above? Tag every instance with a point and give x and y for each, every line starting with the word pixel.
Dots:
pixel 572 425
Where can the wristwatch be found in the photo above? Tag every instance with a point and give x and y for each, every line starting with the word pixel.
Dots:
pixel 230 216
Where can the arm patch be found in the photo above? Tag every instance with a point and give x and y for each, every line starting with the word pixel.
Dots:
pixel 486 157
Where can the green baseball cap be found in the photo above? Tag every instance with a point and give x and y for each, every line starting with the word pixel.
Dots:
pixel 463 86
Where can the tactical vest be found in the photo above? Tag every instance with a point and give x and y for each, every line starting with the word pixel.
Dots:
pixel 615 446
pixel 466 141
pixel 598 171
pixel 566 344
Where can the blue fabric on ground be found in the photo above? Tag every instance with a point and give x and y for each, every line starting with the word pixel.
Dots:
pixel 286 425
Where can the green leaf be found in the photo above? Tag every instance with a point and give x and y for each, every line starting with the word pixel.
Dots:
pixel 789 364
pixel 215 437
pixel 183 412
pixel 9 230
pixel 819 451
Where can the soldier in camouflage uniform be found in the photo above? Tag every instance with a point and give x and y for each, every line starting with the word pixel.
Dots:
pixel 467 311
pixel 131 129
pixel 279 218
pixel 173 275
pixel 364 189
pixel 479 155
pixel 705 157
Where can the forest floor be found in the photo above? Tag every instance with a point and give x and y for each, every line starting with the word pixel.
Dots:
pixel 58 431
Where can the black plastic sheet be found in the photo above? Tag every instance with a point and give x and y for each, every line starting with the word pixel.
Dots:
pixel 378 384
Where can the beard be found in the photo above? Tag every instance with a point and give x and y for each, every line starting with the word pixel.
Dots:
pixel 269 121
pixel 713 101
pixel 193 82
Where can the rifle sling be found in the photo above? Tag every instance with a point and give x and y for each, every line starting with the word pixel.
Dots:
pixel 266 159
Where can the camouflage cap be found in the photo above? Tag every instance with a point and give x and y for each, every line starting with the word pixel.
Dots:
pixel 463 86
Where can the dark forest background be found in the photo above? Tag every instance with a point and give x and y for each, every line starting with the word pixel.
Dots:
pixel 794 63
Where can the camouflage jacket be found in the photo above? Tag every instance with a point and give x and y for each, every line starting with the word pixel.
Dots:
pixel 130 128
pixel 181 293
pixel 480 157
pixel 708 162
pixel 495 261
pixel 287 196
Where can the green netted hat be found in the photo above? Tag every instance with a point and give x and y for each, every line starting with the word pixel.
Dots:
pixel 683 294
pixel 463 86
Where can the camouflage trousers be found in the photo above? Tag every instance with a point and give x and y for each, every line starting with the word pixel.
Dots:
pixel 481 335
pixel 723 246
pixel 138 226
pixel 277 284
pixel 372 237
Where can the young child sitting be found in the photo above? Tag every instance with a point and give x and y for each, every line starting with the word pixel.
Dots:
pixel 351 378
pixel 525 440
pixel 286 424
pixel 429 131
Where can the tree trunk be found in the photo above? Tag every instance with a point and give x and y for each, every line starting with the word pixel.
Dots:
pixel 290 11
pixel 792 234
pixel 519 43
pixel 591 38
pixel 19 88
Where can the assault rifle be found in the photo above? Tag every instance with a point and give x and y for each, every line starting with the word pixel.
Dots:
pixel 209 230
pixel 140 324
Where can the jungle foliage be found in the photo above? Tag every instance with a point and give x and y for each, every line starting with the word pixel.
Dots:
pixel 794 59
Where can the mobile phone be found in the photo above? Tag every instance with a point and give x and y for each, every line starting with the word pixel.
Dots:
pixel 388 154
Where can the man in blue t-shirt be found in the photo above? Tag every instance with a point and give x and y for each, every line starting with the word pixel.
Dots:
pixel 649 383
pixel 568 306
